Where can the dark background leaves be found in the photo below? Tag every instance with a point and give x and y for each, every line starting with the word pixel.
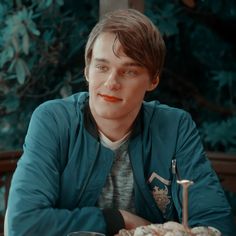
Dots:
pixel 42 57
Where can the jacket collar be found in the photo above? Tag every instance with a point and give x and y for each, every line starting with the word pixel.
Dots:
pixel 91 126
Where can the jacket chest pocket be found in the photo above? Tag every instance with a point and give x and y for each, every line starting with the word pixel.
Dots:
pixel 161 191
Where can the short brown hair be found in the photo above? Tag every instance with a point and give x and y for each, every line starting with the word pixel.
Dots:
pixel 139 37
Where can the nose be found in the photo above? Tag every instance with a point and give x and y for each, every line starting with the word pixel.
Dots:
pixel 112 82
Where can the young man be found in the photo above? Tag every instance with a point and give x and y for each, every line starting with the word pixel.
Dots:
pixel 106 160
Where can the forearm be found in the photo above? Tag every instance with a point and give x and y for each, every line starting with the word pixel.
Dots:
pixel 35 206
pixel 52 222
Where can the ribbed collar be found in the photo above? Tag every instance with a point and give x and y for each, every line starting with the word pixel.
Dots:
pixel 91 126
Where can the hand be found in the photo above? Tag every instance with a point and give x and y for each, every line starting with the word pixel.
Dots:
pixel 133 221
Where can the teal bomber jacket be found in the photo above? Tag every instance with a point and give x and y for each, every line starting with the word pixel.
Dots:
pixel 64 167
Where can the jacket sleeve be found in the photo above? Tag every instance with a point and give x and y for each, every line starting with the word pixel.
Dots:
pixel 35 187
pixel 207 203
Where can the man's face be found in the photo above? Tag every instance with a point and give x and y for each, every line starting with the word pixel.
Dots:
pixel 117 84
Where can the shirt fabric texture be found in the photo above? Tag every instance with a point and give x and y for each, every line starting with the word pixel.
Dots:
pixel 64 167
pixel 118 191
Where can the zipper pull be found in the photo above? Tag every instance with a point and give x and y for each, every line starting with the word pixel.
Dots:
pixel 173 167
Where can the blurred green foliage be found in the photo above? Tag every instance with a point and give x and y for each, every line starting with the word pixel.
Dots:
pixel 42 57
pixel 200 69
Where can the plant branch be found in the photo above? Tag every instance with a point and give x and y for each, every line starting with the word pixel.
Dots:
pixel 199 98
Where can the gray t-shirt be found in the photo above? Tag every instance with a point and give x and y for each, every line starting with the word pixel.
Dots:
pixel 118 191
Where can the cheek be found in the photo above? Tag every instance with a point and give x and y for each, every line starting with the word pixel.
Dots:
pixel 94 84
pixel 140 88
pixel 91 79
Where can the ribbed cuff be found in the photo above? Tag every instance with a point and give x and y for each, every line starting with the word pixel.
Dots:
pixel 114 221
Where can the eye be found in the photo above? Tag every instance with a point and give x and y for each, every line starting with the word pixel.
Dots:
pixel 130 73
pixel 101 68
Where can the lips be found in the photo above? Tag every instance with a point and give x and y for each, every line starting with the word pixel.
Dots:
pixel 110 98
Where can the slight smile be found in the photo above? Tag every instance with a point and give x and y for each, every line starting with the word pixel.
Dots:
pixel 110 98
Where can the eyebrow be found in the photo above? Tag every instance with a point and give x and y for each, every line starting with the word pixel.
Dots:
pixel 101 60
pixel 124 64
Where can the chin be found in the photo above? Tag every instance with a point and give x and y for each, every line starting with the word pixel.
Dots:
pixel 108 114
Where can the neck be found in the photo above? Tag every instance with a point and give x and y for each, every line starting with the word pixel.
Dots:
pixel 114 129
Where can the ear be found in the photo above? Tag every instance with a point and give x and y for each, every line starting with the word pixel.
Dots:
pixel 153 84
pixel 86 73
